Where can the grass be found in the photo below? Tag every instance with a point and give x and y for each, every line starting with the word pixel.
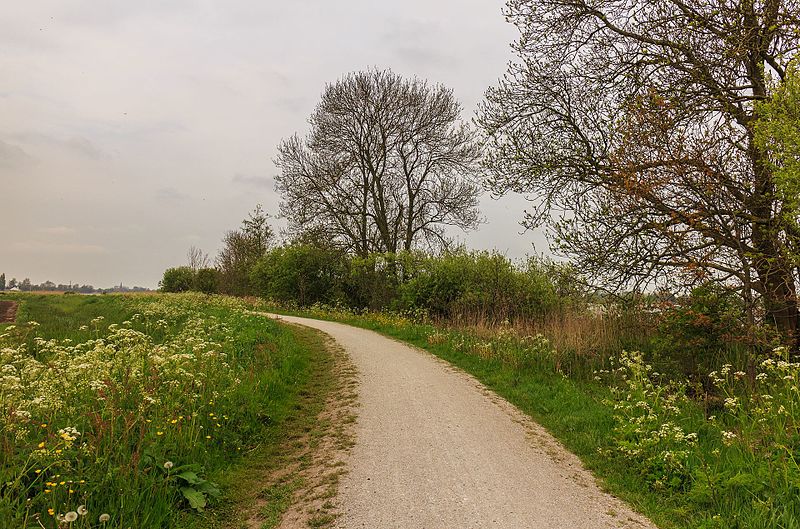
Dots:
pixel 142 407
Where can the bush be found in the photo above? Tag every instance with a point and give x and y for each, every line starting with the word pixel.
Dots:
pixel 300 273
pixel 206 280
pixel 695 331
pixel 179 279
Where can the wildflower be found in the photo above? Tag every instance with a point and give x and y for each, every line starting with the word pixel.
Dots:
pixel 159 432
pixel 104 518
pixel 82 510
pixel 208 437
pixel 728 437
pixel 168 465
pixel 51 512
pixel 41 445
pixel 71 516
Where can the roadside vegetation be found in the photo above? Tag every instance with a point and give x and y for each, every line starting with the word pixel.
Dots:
pixel 712 452
pixel 123 411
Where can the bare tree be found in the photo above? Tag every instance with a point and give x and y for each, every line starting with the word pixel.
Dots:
pixel 635 120
pixel 197 258
pixel 387 165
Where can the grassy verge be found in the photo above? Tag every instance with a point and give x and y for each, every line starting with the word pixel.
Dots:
pixel 134 411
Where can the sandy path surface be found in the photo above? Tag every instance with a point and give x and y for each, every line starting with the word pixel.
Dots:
pixel 435 449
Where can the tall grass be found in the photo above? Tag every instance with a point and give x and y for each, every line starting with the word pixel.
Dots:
pixel 120 424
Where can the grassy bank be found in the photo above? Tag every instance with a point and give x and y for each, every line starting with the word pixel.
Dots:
pixel 726 460
pixel 132 411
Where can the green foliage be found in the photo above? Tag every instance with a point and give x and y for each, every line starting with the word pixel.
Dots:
pixel 178 279
pixel 485 286
pixel 694 331
pixel 2 281
pixel 777 132
pixel 206 280
pixel 301 273
pixel 128 418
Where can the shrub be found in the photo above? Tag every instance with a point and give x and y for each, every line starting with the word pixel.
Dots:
pixel 206 280
pixel 179 279
pixel 696 330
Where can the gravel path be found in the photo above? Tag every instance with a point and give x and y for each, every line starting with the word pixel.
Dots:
pixel 435 449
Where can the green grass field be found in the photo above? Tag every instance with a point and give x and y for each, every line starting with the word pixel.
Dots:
pixel 145 411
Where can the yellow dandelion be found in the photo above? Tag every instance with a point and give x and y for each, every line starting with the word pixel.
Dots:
pixel 173 421
pixel 44 425
pixel 59 451
pixel 51 511
pixel 71 491
pixel 41 445
pixel 63 483
pixel 208 437
pixel 47 491
pixel 38 470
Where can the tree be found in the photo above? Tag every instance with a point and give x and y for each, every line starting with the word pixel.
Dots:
pixel 12 283
pixel 2 281
pixel 179 279
pixel 241 250
pixel 387 165
pixel 26 285
pixel 636 120
pixel 197 258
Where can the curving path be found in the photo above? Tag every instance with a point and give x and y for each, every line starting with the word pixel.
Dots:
pixel 436 450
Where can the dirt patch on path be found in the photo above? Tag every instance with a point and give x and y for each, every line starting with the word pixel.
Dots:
pixel 8 311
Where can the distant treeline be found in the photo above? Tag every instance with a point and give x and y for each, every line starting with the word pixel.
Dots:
pixel 48 286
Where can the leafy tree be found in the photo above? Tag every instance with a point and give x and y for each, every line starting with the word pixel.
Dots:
pixel 241 250
pixel 637 119
pixel 26 285
pixel 386 166
pixel 179 279
pixel 12 283
pixel 2 281
pixel 206 280
pixel 778 133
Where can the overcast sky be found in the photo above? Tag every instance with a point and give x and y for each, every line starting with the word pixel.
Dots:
pixel 131 130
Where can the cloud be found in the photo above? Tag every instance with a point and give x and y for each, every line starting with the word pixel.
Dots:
pixel 39 247
pixel 253 181
pixel 170 193
pixel 85 147
pixel 58 230
pixel 422 57
pixel 13 157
